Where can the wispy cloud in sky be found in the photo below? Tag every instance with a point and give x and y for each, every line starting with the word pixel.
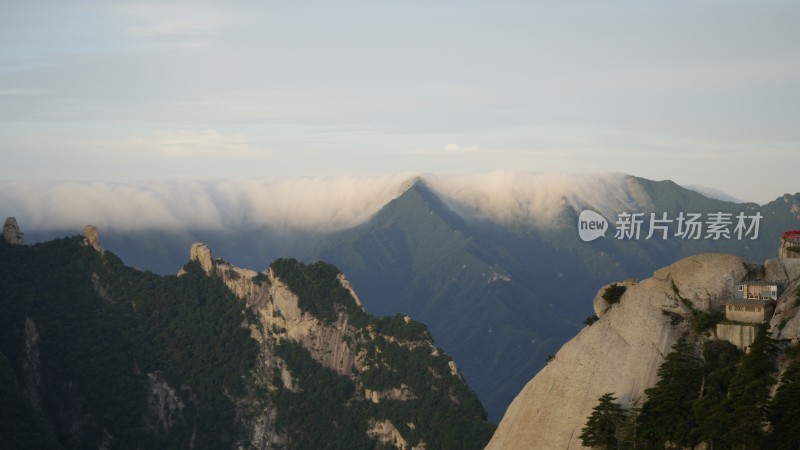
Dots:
pixel 187 143
pixel 449 149
pixel 362 87
pixel 184 23
pixel 21 91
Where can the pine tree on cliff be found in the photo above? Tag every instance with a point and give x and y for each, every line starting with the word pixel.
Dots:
pixel 603 424
pixel 712 409
pixel 749 393
pixel 666 416
pixel 785 410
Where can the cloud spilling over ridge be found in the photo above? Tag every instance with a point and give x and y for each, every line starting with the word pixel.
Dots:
pixel 325 204
pixel 299 203
pixel 713 193
pixel 536 198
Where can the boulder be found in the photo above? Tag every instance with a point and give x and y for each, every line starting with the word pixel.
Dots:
pixel 707 280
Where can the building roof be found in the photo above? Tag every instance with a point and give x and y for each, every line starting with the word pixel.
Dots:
pixel 791 235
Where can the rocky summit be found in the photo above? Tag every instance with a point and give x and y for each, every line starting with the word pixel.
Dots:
pixel 622 351
pixel 11 231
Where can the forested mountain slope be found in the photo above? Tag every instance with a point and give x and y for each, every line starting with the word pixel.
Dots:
pixel 95 354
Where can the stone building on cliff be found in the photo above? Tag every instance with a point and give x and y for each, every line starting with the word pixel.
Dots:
pixel 790 245
pixel 753 301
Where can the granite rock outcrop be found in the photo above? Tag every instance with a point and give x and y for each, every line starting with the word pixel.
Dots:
pixel 619 353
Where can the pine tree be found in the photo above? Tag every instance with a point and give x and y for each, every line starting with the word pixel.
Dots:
pixel 749 393
pixel 603 424
pixel 628 431
pixel 666 416
pixel 785 410
pixel 711 409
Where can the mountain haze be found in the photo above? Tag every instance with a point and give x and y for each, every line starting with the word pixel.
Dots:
pixel 492 263
pixel 500 298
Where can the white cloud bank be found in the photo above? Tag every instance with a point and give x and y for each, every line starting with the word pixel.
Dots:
pixel 303 203
pixel 536 199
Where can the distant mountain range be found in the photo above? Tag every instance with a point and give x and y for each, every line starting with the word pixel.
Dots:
pixel 494 265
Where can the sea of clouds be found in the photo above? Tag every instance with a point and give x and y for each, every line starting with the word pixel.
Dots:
pixel 319 203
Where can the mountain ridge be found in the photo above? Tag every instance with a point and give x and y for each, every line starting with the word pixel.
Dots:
pixel 215 357
pixel 472 278
pixel 328 204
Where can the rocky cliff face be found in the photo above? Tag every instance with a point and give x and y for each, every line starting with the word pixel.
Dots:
pixel 785 323
pixel 619 353
pixel 280 315
pixel 335 344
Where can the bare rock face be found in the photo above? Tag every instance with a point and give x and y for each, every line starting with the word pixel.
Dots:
pixel 165 407
pixel 92 238
pixel 783 271
pixel 346 284
pixel 11 231
pixel 334 343
pixel 785 323
pixel 202 254
pixel 790 330
pixel 31 364
pixel 620 353
pixel 706 280
pixel 402 393
pixel 326 342
pixel 454 369
pixel 739 335
pixel 385 432
pixel 279 309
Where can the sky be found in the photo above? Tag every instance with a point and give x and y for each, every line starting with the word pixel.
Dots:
pixel 700 92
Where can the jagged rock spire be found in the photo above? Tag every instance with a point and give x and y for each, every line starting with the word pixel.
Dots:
pixel 202 254
pixel 92 237
pixel 11 231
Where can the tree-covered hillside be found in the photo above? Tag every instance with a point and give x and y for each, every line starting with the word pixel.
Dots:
pixel 498 296
pixel 95 354
pixel 83 332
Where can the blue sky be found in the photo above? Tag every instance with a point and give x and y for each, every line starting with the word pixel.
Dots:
pixel 700 92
